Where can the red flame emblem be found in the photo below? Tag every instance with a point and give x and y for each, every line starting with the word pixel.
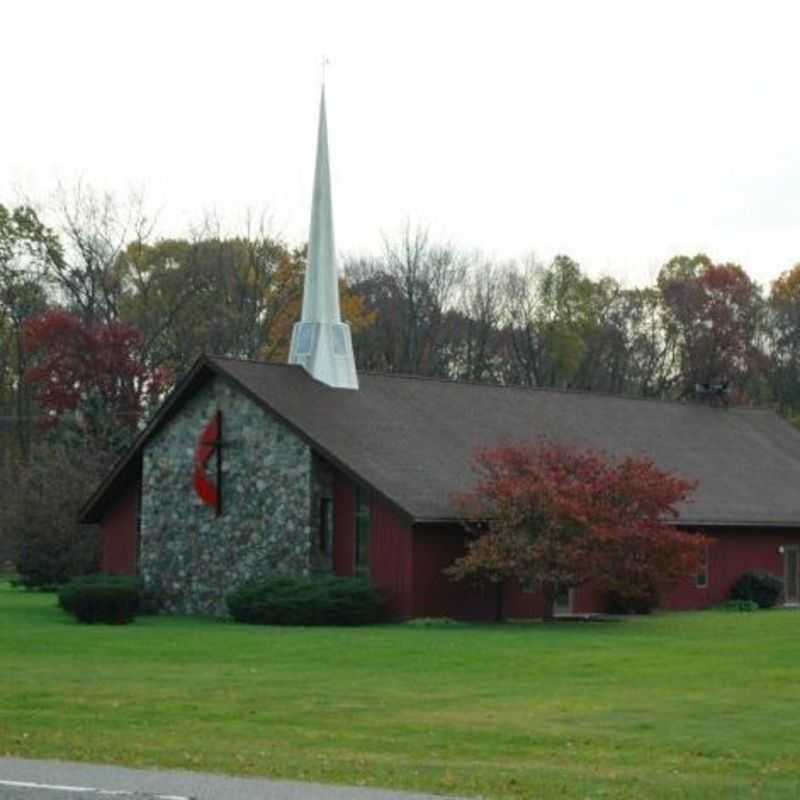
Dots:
pixel 209 443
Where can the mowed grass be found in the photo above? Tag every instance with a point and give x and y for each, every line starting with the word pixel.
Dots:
pixel 702 705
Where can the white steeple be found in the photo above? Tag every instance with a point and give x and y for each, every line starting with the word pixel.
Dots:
pixel 321 342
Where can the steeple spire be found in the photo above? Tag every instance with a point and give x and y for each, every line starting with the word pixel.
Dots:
pixel 321 342
pixel 321 290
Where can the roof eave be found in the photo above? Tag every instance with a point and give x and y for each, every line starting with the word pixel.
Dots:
pixel 91 511
pixel 678 523
pixel 326 454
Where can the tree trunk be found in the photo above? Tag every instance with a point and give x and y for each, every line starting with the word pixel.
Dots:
pixel 499 611
pixel 548 611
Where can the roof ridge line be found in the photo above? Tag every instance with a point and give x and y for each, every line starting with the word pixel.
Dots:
pixel 556 389
pixel 251 361
pixel 520 387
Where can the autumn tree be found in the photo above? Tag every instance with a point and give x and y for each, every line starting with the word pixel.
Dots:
pixel 93 371
pixel 559 517
pixel 714 313
pixel 28 249
pixel 560 324
pixel 287 302
pixel 212 293
pixel 227 295
pixel 784 339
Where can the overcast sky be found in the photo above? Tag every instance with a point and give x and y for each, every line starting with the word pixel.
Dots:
pixel 620 133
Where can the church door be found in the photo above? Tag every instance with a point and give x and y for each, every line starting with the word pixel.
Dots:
pixel 563 602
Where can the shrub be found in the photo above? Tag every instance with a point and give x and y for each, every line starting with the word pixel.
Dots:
pixel 305 601
pixel 39 517
pixel 113 599
pixel 147 603
pixel 759 587
pixel 66 592
pixel 738 605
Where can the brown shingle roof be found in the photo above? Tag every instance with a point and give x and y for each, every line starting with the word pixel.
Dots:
pixel 412 439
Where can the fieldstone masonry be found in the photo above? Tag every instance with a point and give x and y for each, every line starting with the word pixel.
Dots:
pixel 271 488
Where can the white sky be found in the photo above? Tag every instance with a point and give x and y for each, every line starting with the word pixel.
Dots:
pixel 620 133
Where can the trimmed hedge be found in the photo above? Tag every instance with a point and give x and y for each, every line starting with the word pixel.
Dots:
pixel 758 587
pixel 305 601
pixel 111 599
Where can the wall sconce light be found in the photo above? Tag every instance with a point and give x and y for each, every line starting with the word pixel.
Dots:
pixel 781 550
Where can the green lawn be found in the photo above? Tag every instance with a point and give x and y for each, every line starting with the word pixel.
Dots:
pixel 686 705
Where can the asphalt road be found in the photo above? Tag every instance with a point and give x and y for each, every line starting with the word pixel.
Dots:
pixel 22 779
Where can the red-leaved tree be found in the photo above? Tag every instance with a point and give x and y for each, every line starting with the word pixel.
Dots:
pixel 75 364
pixel 714 315
pixel 559 517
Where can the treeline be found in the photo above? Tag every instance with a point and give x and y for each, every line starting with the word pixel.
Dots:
pixel 98 318
pixel 96 281
pixel 439 311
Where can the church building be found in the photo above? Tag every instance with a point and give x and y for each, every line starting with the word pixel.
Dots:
pixel 251 469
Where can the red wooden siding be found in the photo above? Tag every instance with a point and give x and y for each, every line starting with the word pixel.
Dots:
pixel 390 551
pixel 435 595
pixel 407 562
pixel 522 604
pixel 732 553
pixel 391 557
pixel 120 535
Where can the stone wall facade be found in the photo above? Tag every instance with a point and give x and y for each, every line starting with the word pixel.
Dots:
pixel 271 490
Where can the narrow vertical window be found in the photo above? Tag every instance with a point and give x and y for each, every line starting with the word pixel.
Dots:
pixel 362 532
pixel 701 580
pixel 326 525
pixel 138 554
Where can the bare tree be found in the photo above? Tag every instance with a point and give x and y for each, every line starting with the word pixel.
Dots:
pixel 427 276
pixel 480 311
pixel 95 229
pixel 523 362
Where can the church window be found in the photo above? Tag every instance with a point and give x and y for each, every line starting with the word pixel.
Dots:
pixel 326 525
pixel 362 532
pixel 339 343
pixel 138 525
pixel 305 334
pixel 701 579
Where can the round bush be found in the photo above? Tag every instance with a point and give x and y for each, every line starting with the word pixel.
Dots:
pixel 759 587
pixel 148 602
pixel 111 599
pixel 305 601
pixel 67 593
